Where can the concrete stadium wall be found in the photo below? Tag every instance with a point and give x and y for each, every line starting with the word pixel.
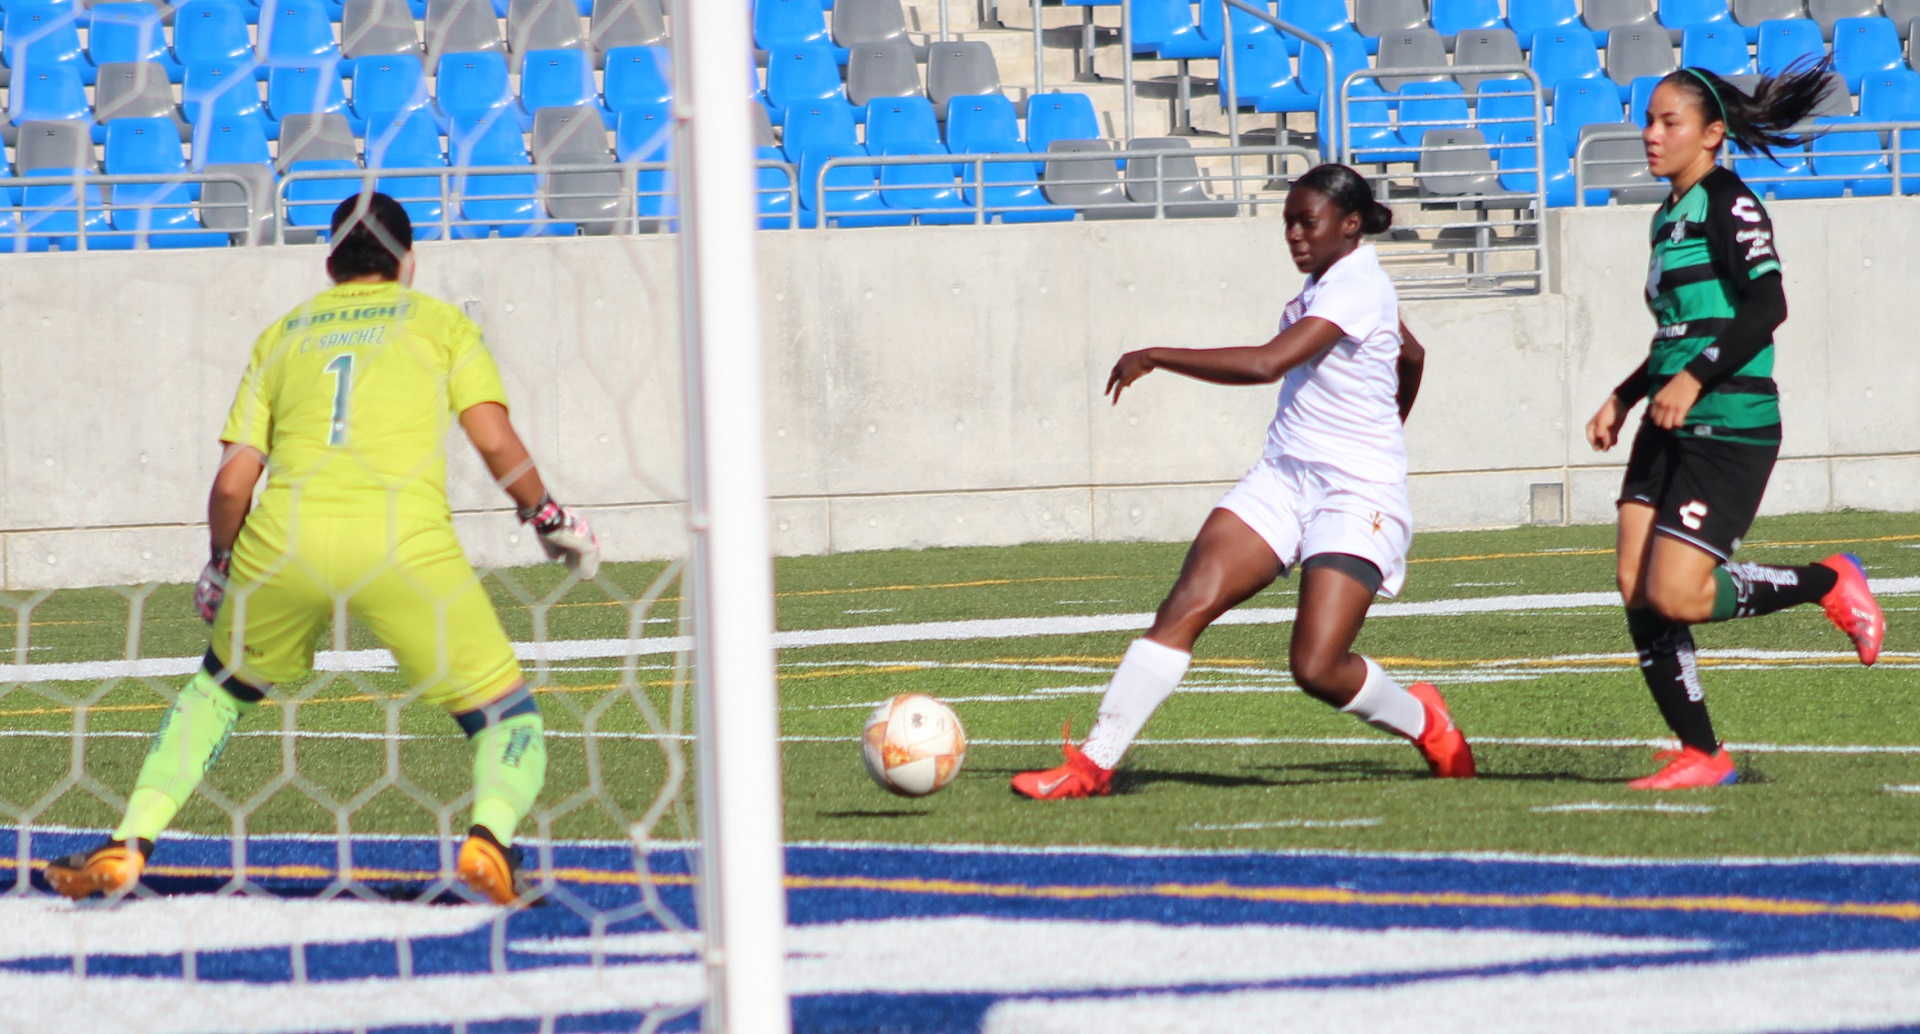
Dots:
pixel 926 387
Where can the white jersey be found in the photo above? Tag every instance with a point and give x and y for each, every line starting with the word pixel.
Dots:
pixel 1342 408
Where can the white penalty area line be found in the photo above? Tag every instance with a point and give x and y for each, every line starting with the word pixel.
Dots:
pixel 1289 824
pixel 916 632
pixel 1592 806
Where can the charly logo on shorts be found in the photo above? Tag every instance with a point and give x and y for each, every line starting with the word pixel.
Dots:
pixel 1693 514
pixel 1376 522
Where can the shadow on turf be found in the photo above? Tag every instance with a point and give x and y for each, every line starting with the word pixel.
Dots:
pixel 877 813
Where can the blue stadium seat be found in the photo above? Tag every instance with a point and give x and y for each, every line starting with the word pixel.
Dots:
pixel 1348 57
pixel 851 192
pixel 1260 67
pixel 230 141
pixel 1452 17
pixel 773 193
pixel 1505 110
pixel 13 235
pixel 808 126
pixel 1785 40
pixel 505 203
pixel 560 79
pixel 1864 46
pixel 39 34
pixel 983 124
pixel 899 121
pixel 644 133
pixel 1857 155
pixel 211 32
pixel 1718 48
pixel 225 91
pixel 296 32
pixel 1782 176
pixel 160 214
pixel 1205 44
pixel 1323 18
pixel 1582 102
pixel 929 188
pixel 1430 106
pixel 1518 168
pixel 1161 24
pixel 1057 116
pixel 1640 97
pixel 130 32
pixel 638 76
pixel 802 75
pixel 62 149
pixel 1006 186
pixel 1565 53
pixel 50 94
pixel 470 86
pixel 1677 16
pixel 410 140
pixel 1529 18
pixel 792 23
pixel 1369 131
pixel 316 143
pixel 309 89
pixel 387 85
pixel 1892 96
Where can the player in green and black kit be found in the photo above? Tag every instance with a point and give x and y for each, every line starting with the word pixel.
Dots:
pixel 1702 456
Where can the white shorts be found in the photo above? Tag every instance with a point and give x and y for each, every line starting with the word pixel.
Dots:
pixel 1304 509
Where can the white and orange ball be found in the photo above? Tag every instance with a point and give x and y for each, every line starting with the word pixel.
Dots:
pixel 913 745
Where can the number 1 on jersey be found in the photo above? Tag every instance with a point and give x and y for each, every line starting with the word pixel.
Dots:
pixel 342 370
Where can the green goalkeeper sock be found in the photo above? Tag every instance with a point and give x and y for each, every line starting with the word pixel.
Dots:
pixel 509 767
pixel 191 736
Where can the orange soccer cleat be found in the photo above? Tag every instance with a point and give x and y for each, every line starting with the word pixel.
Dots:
pixel 111 869
pixel 1442 743
pixel 1690 768
pixel 1079 777
pixel 1851 607
pixel 492 870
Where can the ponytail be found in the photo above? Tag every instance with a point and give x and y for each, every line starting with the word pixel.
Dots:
pixel 1349 192
pixel 1763 120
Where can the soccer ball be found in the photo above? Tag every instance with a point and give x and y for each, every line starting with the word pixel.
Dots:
pixel 913 745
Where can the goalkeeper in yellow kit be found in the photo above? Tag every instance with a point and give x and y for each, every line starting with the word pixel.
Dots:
pixel 345 406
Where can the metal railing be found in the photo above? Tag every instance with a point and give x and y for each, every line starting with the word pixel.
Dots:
pixel 1627 174
pixel 38 222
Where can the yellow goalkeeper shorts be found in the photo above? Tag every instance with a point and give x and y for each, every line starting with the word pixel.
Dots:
pixel 407 580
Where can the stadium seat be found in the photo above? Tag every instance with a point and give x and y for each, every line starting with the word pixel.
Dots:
pixel 810 126
pixel 983 124
pixel 1829 13
pixel 134 89
pixel 928 191
pixel 38 36
pixel 542 25
pixel 49 218
pixel 159 214
pixel 1410 48
pixel 211 32
pixel 1077 175
pixel 1635 52
pixel 868 21
pixel 1172 182
pixel 775 193
pixel 469 86
pixel 592 201
pixel 961 69
pixel 1783 176
pixel 1452 17
pixel 378 28
pixel 130 33
pixel 1425 107
pixel 1160 26
pixel 625 23
pixel 1902 14
pixel 1261 67
pixel 845 195
pixel 559 79
pixel 1892 96
pixel 1864 46
pixel 638 76
pixel 236 147
pixel 1323 18
pixel 1455 163
pixel 309 90
pixel 898 121
pixel 1751 14
pixel 1519 167
pixel 1372 116
pixel 1207 36
pixel 1604 16
pixel 411 140
pixel 223 91
pixel 1720 49
pixel 1677 16
pixel 1618 167
pixel 13 235
pixel 387 85
pixel 1565 54
pixel 297 32
pixel 1585 102
pixel 1376 18
pixel 1348 57
pixel 1857 156
pixel 882 69
pixel 1835 100
pixel 459 27
pixel 1484 47
pixel 790 23
pixel 1058 116
pixel 314 144
pixel 51 94
pixel 1530 18
pixel 502 203
pixel 644 133
pixel 1639 98
pixel 1505 110
pixel 802 75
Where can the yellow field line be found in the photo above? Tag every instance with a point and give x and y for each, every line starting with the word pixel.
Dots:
pixel 1904 911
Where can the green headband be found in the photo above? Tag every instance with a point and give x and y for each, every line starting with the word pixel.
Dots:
pixel 1711 92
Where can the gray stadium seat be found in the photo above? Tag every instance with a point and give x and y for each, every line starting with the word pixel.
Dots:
pixel 1750 13
pixel 378 28
pixel 1091 185
pixel 1464 168
pixel 868 21
pixel 1826 12
pixel 1602 15
pixel 1484 47
pixel 315 137
pixel 1835 102
pixel 542 25
pixel 1638 50
pixel 1411 48
pixel 1743 83
pixel 460 27
pixel 625 23
pixel 215 197
pixel 54 145
pixel 1902 13
pixel 1625 169
pixel 1186 195
pixel 1379 17
pixel 883 69
pixel 578 136
pixel 136 89
pixel 763 127
pixel 959 70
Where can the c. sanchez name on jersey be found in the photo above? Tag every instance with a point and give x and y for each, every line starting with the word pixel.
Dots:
pixel 1708 247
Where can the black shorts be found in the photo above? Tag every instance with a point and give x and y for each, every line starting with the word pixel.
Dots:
pixel 1703 491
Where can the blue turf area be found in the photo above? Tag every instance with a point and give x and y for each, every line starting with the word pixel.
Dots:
pixel 1442 919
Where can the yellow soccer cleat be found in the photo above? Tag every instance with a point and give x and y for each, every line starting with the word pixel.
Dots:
pixel 111 869
pixel 493 870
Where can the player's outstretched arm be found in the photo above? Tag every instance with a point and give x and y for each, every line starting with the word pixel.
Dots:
pixel 1411 365
pixel 564 535
pixel 227 506
pixel 1257 364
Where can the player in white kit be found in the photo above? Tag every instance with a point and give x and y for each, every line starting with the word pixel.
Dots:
pixel 1330 494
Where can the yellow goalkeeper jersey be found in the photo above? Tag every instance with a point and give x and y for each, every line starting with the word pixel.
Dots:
pixel 351 395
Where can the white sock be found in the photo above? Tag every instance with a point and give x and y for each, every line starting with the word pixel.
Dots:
pixel 1382 704
pixel 1147 675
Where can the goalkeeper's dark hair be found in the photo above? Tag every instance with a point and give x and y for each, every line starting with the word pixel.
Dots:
pixel 371 234
pixel 1764 119
pixel 1349 192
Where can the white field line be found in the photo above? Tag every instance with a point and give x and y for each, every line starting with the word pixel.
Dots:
pixel 1290 824
pixel 1902 788
pixel 1589 806
pixel 918 632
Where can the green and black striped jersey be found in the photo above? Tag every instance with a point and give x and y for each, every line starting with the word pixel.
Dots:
pixel 1707 248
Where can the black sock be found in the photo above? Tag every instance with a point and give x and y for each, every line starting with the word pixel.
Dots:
pixel 1750 590
pixel 1667 663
